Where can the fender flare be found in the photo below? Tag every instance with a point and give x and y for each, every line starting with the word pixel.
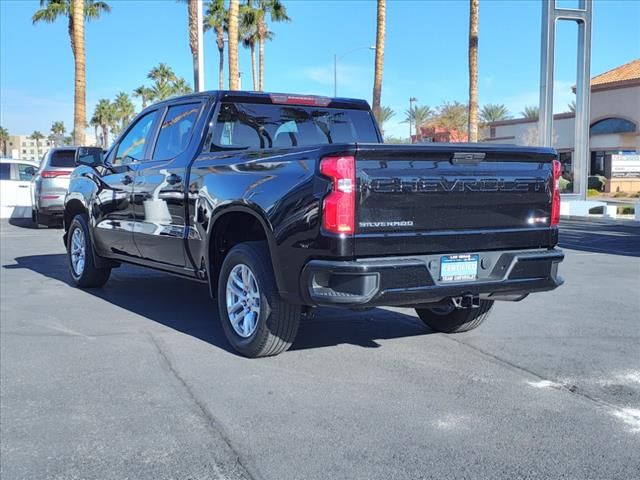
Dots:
pixel 259 214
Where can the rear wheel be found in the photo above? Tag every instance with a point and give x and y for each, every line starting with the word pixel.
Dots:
pixel 255 319
pixel 83 270
pixel 447 318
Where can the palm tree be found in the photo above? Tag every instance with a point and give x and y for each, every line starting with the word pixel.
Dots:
pixel 37 136
pixel 57 132
pixel 144 93
pixel 572 106
pixel 452 116
pixel 76 13
pixel 80 90
pixel 95 123
pixel 384 114
pixel 162 74
pixel 492 112
pixel 249 35
pixel 181 87
pixel 530 112
pixel 104 115
pixel 474 10
pixel 193 36
pixel 123 109
pixel 418 116
pixel 277 13
pixel 166 84
pixel 216 18
pixel 4 138
pixel 232 35
pixel 379 62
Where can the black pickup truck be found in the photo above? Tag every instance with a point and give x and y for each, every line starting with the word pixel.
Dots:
pixel 284 202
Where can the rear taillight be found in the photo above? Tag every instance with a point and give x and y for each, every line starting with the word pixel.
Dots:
pixel 339 207
pixel 55 173
pixel 555 192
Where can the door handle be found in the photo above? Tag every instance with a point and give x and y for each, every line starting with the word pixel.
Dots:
pixel 127 180
pixel 23 186
pixel 174 179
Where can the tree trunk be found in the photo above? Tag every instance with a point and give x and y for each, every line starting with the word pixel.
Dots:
pixel 105 135
pixel 474 7
pixel 233 44
pixel 80 97
pixel 253 66
pixel 262 29
pixel 193 38
pixel 220 42
pixel 95 132
pixel 70 30
pixel 379 65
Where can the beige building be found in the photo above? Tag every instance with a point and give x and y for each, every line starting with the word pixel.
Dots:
pixel 614 140
pixel 23 147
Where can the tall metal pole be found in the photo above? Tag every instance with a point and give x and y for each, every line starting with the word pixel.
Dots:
pixel 335 74
pixel 582 16
pixel 583 98
pixel 200 73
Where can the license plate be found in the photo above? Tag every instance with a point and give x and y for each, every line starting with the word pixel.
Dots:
pixel 457 268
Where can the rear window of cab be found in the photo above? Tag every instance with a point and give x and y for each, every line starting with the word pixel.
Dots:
pixel 263 126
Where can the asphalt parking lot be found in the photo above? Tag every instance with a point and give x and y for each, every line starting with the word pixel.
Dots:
pixel 137 381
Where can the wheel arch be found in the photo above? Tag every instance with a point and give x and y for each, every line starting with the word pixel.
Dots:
pixel 233 224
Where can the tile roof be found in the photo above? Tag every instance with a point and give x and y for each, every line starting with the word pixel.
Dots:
pixel 628 71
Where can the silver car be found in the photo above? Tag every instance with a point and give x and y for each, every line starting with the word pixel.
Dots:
pixel 49 185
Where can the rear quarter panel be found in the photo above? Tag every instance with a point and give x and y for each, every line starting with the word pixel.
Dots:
pixel 280 188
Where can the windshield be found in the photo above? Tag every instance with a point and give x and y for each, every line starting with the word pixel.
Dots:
pixel 250 125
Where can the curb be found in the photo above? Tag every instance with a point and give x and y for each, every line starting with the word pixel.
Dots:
pixel 630 222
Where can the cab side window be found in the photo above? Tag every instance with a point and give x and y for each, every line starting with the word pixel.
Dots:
pixel 5 171
pixel 132 146
pixel 175 131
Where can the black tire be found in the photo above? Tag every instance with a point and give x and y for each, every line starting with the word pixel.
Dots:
pixel 89 276
pixel 448 319
pixel 277 324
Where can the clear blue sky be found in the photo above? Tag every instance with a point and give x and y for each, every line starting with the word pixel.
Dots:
pixel 425 55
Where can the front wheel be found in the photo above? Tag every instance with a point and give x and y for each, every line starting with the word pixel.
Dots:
pixel 83 270
pixel 449 319
pixel 255 319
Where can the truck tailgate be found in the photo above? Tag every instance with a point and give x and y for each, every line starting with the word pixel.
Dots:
pixel 452 198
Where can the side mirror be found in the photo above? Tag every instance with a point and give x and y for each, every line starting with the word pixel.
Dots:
pixel 31 171
pixel 90 156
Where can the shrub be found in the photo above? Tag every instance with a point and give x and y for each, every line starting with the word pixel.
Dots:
pixel 596 182
pixel 592 192
pixel 620 194
pixel 565 185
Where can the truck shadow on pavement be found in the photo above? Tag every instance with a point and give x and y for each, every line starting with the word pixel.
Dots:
pixel 185 306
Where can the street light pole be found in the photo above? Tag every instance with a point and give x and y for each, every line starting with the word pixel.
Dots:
pixel 200 73
pixel 335 65
pixel 335 75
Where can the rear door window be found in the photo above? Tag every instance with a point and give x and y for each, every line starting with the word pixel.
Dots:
pixel 175 131
pixel 260 126
pixel 63 159
pixel 25 172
